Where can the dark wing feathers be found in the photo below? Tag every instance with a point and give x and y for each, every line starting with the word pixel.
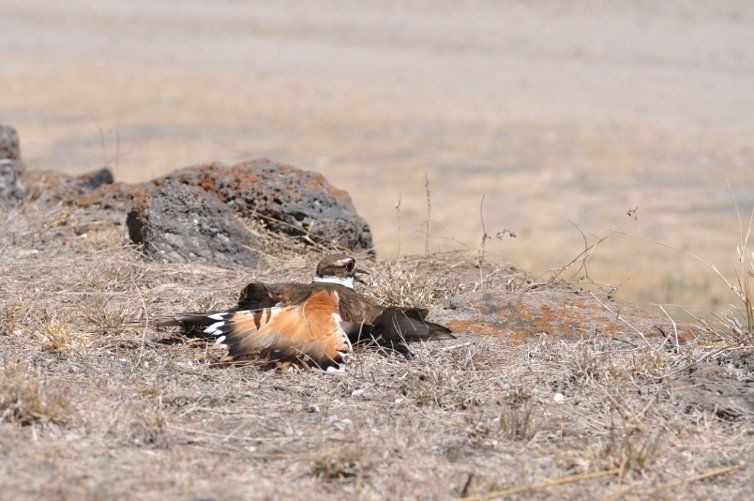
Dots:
pixel 391 326
pixel 356 308
pixel 408 324
pixel 255 296
pixel 396 326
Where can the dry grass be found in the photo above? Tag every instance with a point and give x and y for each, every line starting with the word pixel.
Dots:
pixel 94 405
pixel 26 398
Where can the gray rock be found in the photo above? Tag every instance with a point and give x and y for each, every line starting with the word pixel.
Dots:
pixel 56 187
pixel 12 192
pixel 178 223
pixel 93 180
pixel 290 200
pixel 9 148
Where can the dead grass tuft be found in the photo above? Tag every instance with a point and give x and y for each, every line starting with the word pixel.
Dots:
pixel 60 216
pixel 517 423
pixel 147 426
pixel 57 336
pixel 26 398
pixel 415 284
pixel 342 463
pixel 13 316
pixel 104 315
pixel 633 449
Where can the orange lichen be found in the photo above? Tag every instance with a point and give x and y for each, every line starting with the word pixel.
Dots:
pixel 108 194
pixel 561 314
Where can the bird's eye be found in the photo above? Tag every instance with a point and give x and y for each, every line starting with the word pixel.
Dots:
pixel 349 266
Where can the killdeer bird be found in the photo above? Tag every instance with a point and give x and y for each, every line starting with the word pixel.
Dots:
pixel 317 323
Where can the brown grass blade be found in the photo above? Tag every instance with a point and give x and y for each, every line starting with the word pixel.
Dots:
pixel 540 485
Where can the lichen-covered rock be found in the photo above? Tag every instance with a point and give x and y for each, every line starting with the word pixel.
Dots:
pixel 179 223
pixel 556 314
pixel 55 187
pixel 12 192
pixel 116 196
pixel 291 200
pixel 9 147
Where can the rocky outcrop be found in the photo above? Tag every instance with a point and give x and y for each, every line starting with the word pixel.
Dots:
pixel 565 315
pixel 558 313
pixel 116 196
pixel 179 223
pixel 12 191
pixel 290 200
pixel 9 148
pixel 55 187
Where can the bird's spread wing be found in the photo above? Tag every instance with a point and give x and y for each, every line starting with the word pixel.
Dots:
pixel 395 326
pixel 310 330
pixel 257 296
pixel 408 324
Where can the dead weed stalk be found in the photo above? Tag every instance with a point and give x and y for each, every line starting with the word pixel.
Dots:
pixel 737 321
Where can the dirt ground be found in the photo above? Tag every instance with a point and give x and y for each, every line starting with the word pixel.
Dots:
pixel 555 111
pixel 95 403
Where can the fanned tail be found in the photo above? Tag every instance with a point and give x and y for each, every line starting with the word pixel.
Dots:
pixel 308 332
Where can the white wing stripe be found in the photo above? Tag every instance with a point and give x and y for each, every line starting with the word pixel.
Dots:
pixel 214 328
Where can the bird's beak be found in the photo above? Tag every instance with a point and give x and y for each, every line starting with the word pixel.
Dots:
pixel 355 275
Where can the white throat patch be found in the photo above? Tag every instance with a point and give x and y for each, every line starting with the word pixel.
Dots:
pixel 346 282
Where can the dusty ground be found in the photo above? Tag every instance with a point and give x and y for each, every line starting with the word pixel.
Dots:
pixel 556 111
pixel 97 404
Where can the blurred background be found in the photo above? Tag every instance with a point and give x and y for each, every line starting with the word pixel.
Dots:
pixel 636 116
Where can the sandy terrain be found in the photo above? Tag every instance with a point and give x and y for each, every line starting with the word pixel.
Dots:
pixel 556 111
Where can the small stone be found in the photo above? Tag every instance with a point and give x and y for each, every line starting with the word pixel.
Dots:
pixel 558 398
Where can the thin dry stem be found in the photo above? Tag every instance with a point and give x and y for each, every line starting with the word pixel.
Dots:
pixel 540 485
pixel 429 214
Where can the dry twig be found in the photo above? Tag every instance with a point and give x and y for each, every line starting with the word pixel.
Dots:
pixel 539 485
